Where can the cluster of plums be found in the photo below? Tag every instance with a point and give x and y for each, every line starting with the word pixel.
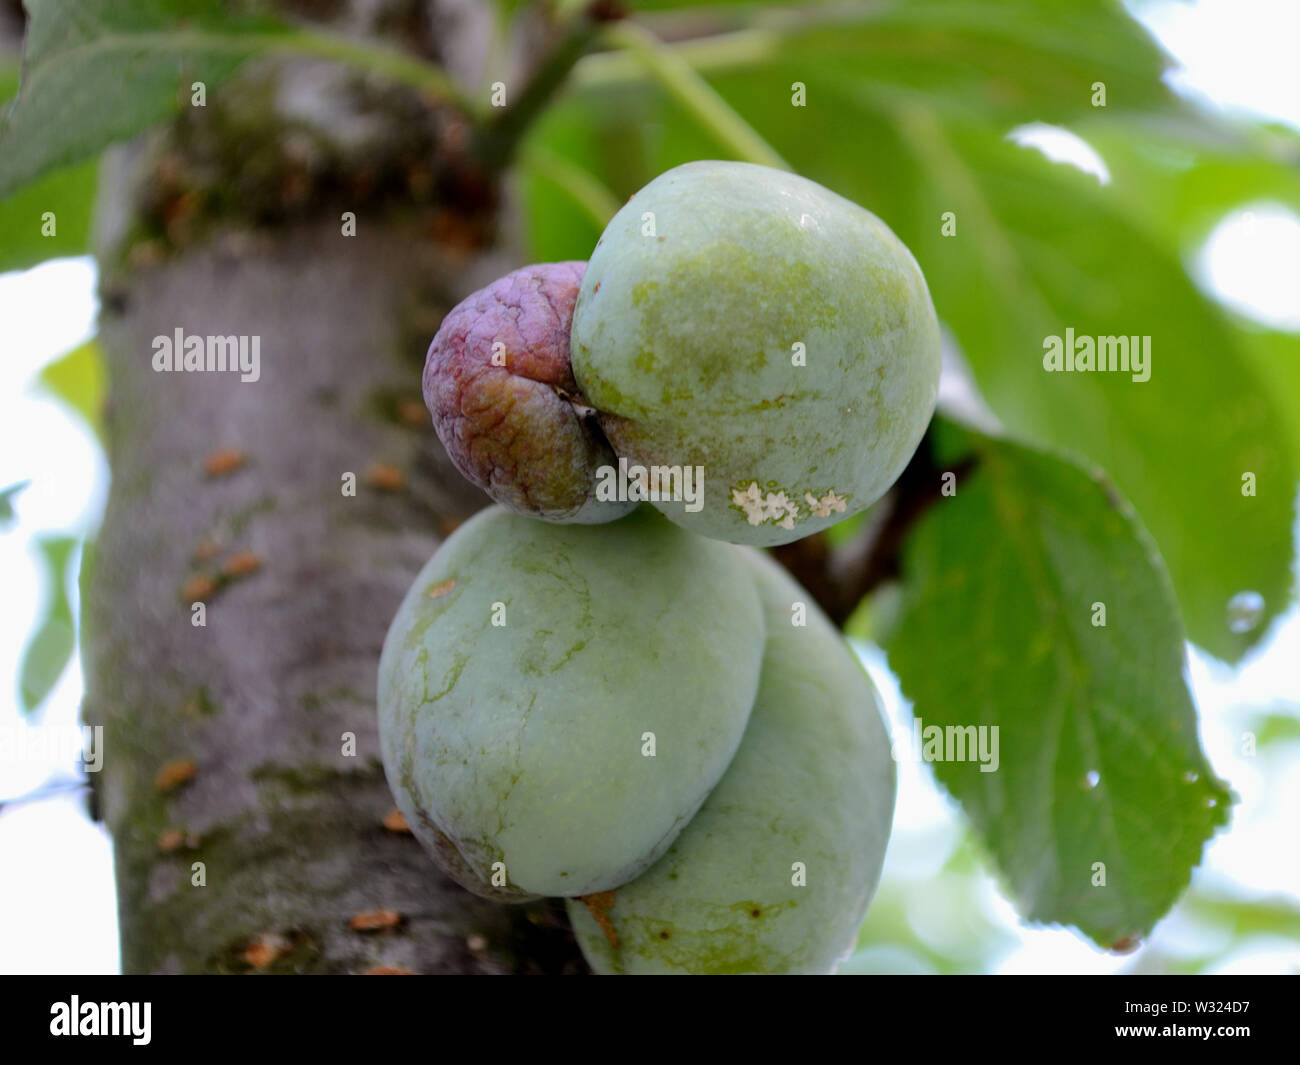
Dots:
pixel 625 703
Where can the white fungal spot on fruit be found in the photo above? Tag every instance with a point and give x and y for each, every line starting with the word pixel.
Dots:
pixel 750 500
pixel 780 509
pixel 833 502
pixel 743 339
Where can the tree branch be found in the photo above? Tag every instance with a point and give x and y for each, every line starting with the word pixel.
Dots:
pixel 679 79
pixel 499 137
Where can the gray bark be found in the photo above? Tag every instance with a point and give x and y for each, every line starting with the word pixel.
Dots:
pixel 288 826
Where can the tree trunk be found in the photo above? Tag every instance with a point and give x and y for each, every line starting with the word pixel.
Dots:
pixel 233 493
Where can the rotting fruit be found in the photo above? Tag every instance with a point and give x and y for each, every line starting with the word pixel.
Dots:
pixel 500 387
pixel 741 335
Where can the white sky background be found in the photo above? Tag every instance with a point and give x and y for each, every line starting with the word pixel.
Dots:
pixel 57 908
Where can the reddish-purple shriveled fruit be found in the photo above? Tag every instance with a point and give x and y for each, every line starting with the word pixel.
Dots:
pixel 498 382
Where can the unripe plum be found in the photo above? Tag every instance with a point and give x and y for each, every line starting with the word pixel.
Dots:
pixel 752 323
pixel 556 701
pixel 774 873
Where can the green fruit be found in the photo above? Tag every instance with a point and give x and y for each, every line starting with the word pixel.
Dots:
pixel 812 783
pixel 521 743
pixel 704 295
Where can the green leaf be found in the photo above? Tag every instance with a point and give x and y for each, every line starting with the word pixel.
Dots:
pixel 1182 178
pixel 1000 590
pixel 1242 918
pixel 1181 181
pixel 7 515
pixel 79 379
pixel 557 227
pixel 51 644
pixel 1273 728
pixel 96 71
pixel 67 194
pixel 1276 356
pixel 1011 61
pixel 1041 249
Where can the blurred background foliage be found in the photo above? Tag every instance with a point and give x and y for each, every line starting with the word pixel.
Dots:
pixel 918 108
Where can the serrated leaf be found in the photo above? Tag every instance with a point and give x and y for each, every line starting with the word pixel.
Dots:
pixel 78 378
pixel 1042 250
pixel 1000 586
pixel 96 71
pixel 50 648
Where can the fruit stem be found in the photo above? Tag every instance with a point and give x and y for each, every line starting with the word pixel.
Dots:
pixel 501 133
pixel 586 190
pixel 721 52
pixel 681 82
